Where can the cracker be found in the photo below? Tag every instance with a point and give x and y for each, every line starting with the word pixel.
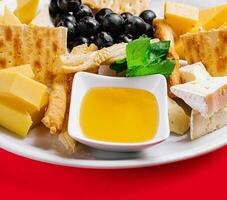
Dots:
pixel 119 6
pixel 33 45
pixel 210 47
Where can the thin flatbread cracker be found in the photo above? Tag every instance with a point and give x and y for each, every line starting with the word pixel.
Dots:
pixel 119 6
pixel 33 45
pixel 209 47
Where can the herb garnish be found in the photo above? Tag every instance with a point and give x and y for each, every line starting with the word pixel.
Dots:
pixel 145 58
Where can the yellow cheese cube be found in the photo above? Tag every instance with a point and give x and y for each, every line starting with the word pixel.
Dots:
pixel 15 119
pixel 28 93
pixel 223 25
pixel 213 17
pixel 9 18
pixel 25 70
pixel 180 17
pixel 26 10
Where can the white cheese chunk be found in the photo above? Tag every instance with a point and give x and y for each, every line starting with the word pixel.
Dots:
pixel 205 96
pixel 43 18
pixel 178 120
pixel 201 125
pixel 194 72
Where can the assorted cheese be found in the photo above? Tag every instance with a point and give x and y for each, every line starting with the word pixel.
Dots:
pixel 26 10
pixel 182 18
pixel 29 93
pixel 201 125
pixel 206 96
pixel 22 100
pixel 25 70
pixel 178 119
pixel 193 72
pixel 15 119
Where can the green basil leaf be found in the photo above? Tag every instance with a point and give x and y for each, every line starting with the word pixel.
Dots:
pixel 165 68
pixel 137 52
pixel 119 65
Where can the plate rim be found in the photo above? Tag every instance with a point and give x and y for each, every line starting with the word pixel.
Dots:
pixel 112 164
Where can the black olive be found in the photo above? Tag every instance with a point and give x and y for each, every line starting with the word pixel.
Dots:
pixel 88 26
pixel 64 16
pixel 148 16
pixel 83 11
pixel 104 39
pixel 68 5
pixel 102 13
pixel 113 23
pixel 135 26
pixel 81 40
pixel 53 7
pixel 126 15
pixel 126 38
pixel 149 30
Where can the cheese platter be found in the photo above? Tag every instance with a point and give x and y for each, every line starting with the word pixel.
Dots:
pixel 75 90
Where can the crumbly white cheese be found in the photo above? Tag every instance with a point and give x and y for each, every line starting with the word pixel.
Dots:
pixel 201 125
pixel 205 96
pixel 194 72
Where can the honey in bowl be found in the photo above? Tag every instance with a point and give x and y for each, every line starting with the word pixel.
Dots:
pixel 120 115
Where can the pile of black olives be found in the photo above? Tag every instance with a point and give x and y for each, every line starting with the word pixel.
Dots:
pixel 105 28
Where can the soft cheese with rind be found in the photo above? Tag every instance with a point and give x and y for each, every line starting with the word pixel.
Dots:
pixel 193 72
pixel 205 96
pixel 201 125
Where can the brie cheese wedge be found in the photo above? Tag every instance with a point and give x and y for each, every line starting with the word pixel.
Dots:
pixel 201 125
pixel 194 72
pixel 205 96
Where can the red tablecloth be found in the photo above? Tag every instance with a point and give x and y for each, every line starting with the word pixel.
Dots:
pixel 206 176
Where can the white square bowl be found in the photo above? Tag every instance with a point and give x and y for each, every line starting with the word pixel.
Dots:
pixel 83 81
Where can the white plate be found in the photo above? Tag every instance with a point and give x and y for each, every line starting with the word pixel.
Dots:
pixel 42 146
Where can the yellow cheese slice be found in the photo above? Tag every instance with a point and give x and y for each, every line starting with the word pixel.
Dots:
pixel 9 18
pixel 181 17
pixel 15 119
pixel 25 70
pixel 213 17
pixel 26 10
pixel 28 93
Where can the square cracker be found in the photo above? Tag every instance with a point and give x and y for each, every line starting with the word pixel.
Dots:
pixel 119 6
pixel 33 45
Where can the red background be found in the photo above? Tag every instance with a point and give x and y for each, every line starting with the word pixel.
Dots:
pixel 200 178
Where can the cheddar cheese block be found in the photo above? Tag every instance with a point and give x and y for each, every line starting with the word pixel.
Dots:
pixel 29 94
pixel 15 119
pixel 182 18
pixel 26 10
pixel 25 70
